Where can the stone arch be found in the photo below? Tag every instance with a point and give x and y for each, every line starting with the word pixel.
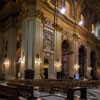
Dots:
pixel 93 64
pixel 82 60
pixel 66 55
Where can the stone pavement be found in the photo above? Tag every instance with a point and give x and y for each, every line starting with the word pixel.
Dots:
pixel 92 94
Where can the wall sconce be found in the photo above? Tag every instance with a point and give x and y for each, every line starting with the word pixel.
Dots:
pixel 20 60
pixel 89 68
pixel 23 59
pixel 37 59
pixel 58 63
pixel 76 67
pixel 6 61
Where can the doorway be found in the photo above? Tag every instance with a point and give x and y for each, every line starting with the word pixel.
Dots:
pixel 66 56
pixel 93 64
pixel 18 66
pixel 45 68
pixel 82 61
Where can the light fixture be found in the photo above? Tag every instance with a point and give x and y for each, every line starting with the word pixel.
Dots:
pixel 80 23
pixel 58 63
pixel 76 67
pixel 37 59
pixel 6 62
pixel 62 10
pixel 19 60
pixel 89 68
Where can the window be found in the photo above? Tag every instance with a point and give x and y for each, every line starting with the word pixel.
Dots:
pixel 92 28
pixel 81 20
pixel 67 8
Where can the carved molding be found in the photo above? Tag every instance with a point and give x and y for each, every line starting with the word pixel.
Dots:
pixel 58 27
pixel 76 37
pixel 48 39
pixel 32 12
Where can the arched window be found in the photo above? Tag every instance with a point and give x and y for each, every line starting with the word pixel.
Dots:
pixel 93 28
pixel 82 17
pixel 81 21
pixel 67 5
pixel 66 56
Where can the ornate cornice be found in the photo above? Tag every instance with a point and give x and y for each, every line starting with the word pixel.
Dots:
pixel 76 37
pixel 58 27
pixel 30 11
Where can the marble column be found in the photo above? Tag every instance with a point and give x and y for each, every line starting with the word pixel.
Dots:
pixel 58 48
pixel 28 36
pixel 31 44
pixel 87 69
pixel 12 38
pixel 76 57
pixel 38 47
pixel 1 53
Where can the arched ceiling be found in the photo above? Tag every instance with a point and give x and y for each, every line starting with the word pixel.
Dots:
pixel 92 6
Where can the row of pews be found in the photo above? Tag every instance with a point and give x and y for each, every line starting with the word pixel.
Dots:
pixel 15 91
pixel 8 93
pixel 16 88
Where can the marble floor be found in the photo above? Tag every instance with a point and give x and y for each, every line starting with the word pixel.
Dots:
pixel 61 96
pixel 92 94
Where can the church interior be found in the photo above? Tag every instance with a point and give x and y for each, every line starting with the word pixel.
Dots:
pixel 53 41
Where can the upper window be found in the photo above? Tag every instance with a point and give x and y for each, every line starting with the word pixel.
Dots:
pixel 93 28
pixel 97 31
pixel 67 5
pixel 81 21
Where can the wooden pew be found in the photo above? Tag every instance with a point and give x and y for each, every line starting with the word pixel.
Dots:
pixel 8 92
pixel 24 90
pixel 47 86
pixel 83 93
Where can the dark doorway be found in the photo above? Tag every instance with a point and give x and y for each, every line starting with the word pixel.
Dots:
pixel 66 56
pixel 17 69
pixel 82 61
pixel 93 64
pixel 45 68
pixel 46 73
pixel 17 66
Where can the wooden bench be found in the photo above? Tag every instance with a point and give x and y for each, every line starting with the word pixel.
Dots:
pixel 8 92
pixel 24 90
pixel 83 93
